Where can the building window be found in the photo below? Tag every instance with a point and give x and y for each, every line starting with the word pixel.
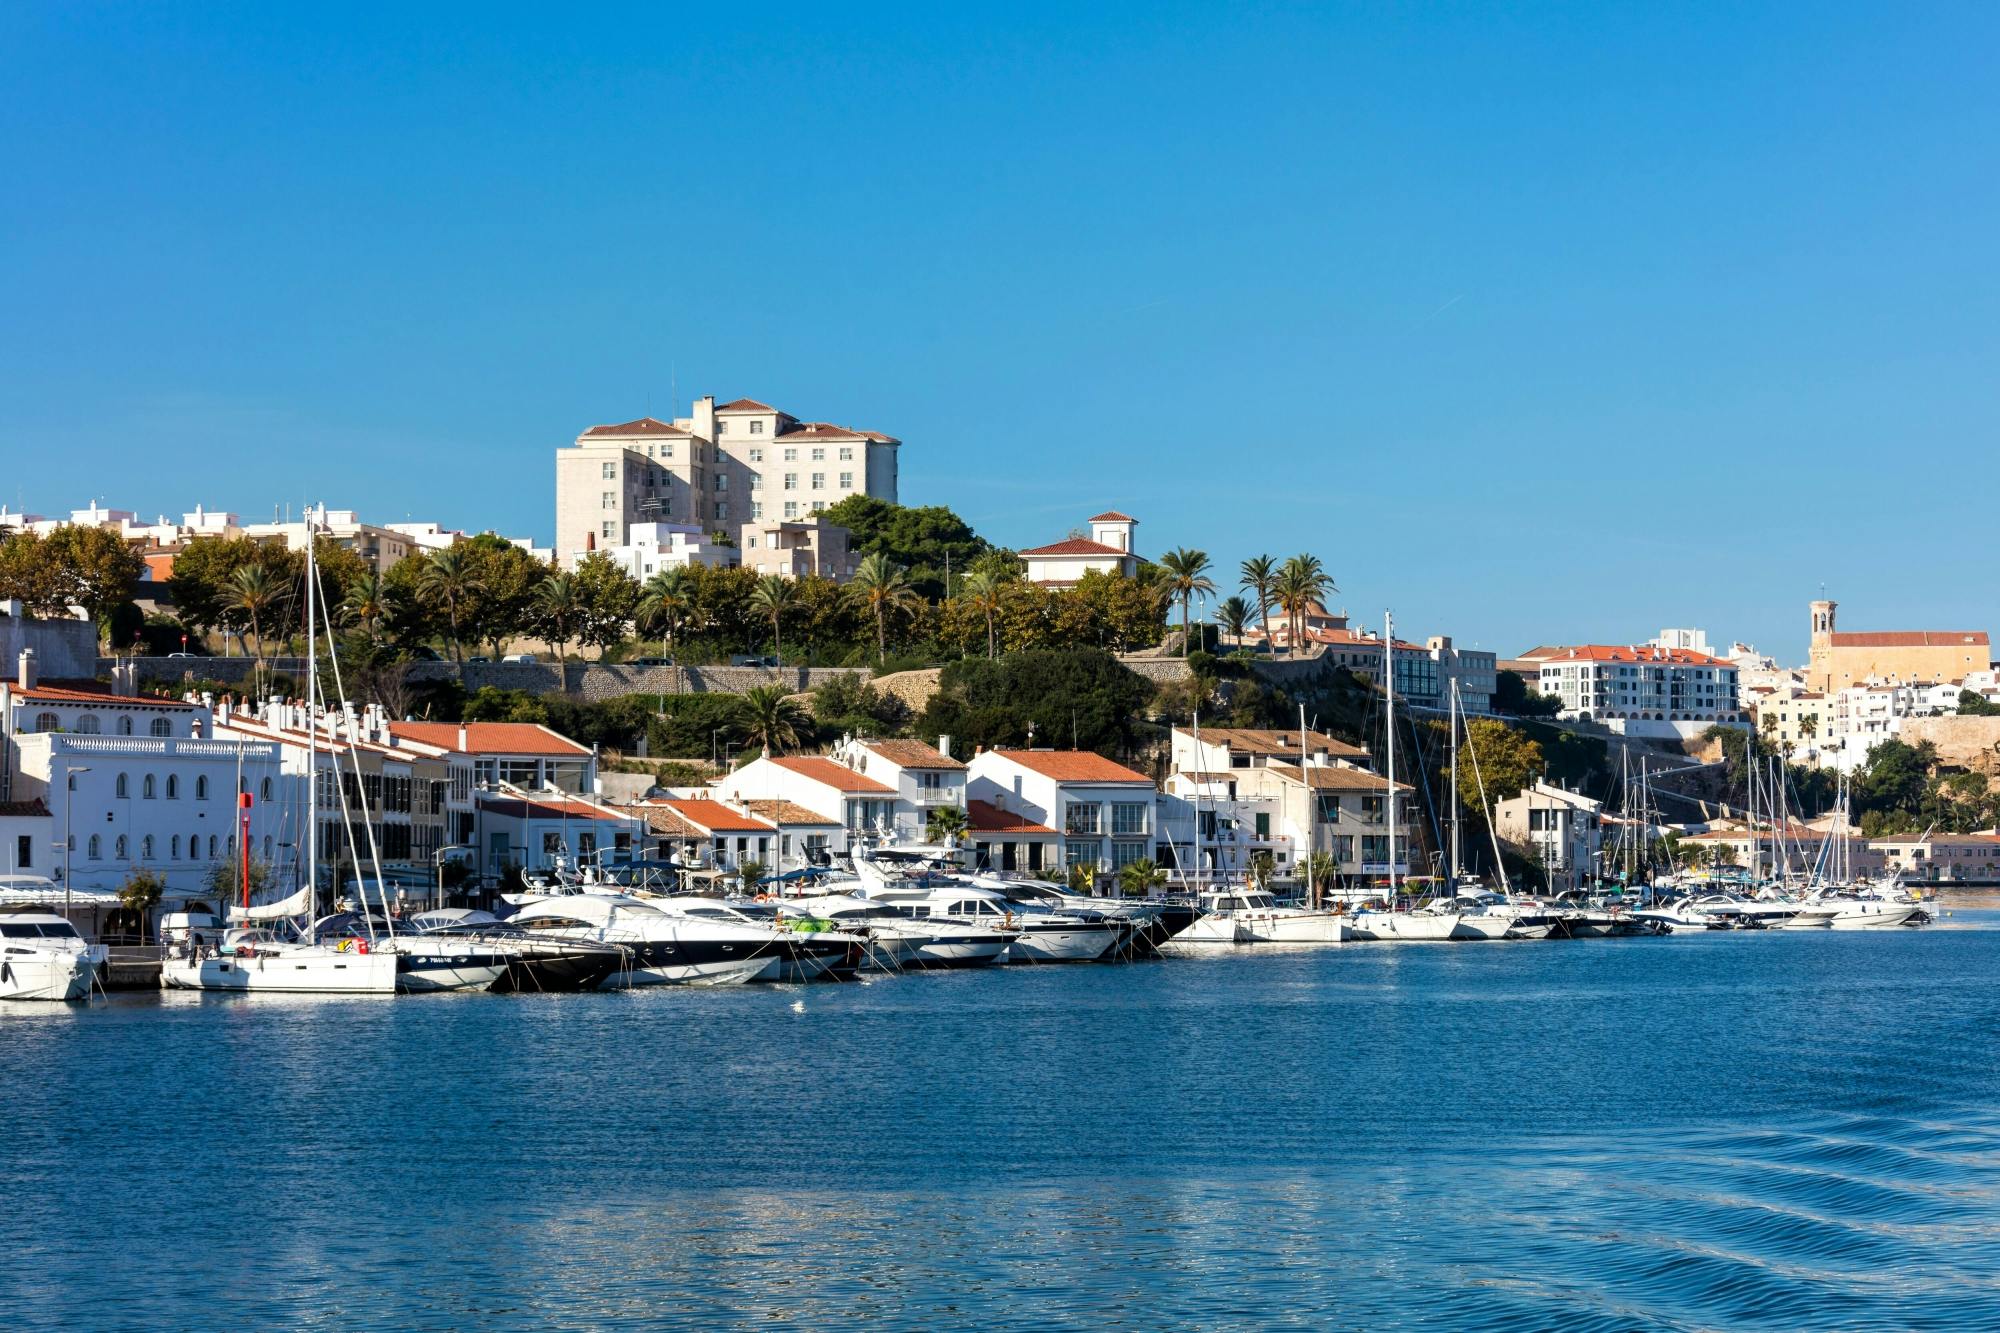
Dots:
pixel 722 481
pixel 610 471
pixel 88 725
pixel 47 722
pixel 124 787
pixel 124 726
pixel 609 500
pixel 174 848
pixel 667 452
pixel 722 428
pixel 819 481
pixel 147 789
pixel 96 847
pixel 791 481
pixel 1083 818
pixel 818 506
pixel 756 455
pixel 1125 853
pixel 846 454
pixel 146 848
pixel 756 428
pixel 756 481
pixel 819 456
pixel 756 512
pixel 610 531
pixel 721 510
pixel 1128 817
pixel 847 481
pixel 791 455
pixel 118 848
pixel 201 787
pixel 791 509
pixel 163 726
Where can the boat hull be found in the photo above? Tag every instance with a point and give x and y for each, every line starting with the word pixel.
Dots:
pixel 50 974
pixel 1083 943
pixel 1404 927
pixel 285 974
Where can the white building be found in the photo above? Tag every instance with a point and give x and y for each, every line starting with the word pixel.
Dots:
pixel 1109 549
pixel 1688 640
pixel 1103 812
pixel 925 778
pixel 1563 829
pixel 718 468
pixel 1641 690
pixel 858 804
pixel 652 547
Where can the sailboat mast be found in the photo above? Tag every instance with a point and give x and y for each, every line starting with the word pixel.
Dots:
pixel 1389 715
pixel 1312 813
pixel 312 737
pixel 1198 877
pixel 1451 792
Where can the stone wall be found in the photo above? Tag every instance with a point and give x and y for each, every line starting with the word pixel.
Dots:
pixel 64 649
pixel 581 680
pixel 1159 670
pixel 1970 743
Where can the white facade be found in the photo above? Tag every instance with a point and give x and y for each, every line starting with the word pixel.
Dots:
pixel 1105 813
pixel 1563 829
pixel 1641 690
pixel 652 547
pixel 923 777
pixel 1110 548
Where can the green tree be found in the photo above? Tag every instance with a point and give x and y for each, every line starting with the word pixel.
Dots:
pixel 1136 879
pixel 558 613
pixel 1301 583
pixel 750 873
pixel 1262 866
pixel 1513 694
pixel 607 599
pixel 849 705
pixel 769 717
pixel 1081 697
pixel 663 602
pixel 945 823
pixel 1233 614
pixel 446 580
pixel 140 894
pixel 983 591
pixel 500 601
pixel 1187 577
pixel 1321 870
pixel 773 596
pixel 918 540
pixel 99 569
pixel 881 587
pixel 367 605
pixel 1259 576
pixel 1508 762
pixel 255 593
pixel 1971 703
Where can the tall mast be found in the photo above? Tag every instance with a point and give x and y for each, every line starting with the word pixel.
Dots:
pixel 1389 714
pixel 1451 792
pixel 1198 877
pixel 312 738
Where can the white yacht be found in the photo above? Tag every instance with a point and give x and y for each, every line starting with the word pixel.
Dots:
pixel 1156 920
pixel 258 959
pixel 438 939
pixel 1382 925
pixel 1042 934
pixel 1852 911
pixel 805 953
pixel 900 936
pixel 1253 916
pixel 663 948
pixel 42 957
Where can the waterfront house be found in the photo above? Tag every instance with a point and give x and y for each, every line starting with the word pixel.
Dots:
pixel 831 790
pixel 924 777
pixel 1102 811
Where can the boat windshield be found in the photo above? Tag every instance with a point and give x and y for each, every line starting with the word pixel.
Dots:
pixel 29 930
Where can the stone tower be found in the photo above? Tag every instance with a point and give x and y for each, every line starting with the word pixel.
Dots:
pixel 1819 662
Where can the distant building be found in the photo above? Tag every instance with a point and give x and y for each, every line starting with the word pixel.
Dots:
pixel 1564 829
pixel 1893 657
pixel 1109 549
pixel 1639 690
pixel 1101 811
pixel 719 468
pixel 1693 640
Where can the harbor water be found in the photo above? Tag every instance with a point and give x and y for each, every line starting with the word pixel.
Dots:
pixel 1777 1130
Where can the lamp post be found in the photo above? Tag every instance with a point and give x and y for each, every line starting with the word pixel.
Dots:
pixel 69 805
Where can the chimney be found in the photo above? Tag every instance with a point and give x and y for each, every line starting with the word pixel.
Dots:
pixel 944 745
pixel 464 744
pixel 27 673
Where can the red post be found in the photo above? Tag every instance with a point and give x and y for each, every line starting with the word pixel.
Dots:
pixel 243 843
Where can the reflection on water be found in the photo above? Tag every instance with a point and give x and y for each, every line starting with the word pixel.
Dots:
pixel 1740 1130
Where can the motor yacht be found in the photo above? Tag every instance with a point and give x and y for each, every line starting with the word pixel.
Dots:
pixel 662 948
pixel 1254 916
pixel 899 936
pixel 528 963
pixel 1158 920
pixel 806 951
pixel 42 957
pixel 1042 934
pixel 1847 910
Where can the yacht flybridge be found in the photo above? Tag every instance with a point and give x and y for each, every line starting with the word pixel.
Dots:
pixel 42 957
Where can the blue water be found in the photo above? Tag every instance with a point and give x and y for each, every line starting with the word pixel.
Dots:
pixel 1781 1131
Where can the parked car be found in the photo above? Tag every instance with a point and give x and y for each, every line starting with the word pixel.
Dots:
pixel 650 661
pixel 753 659
pixel 477 661
pixel 202 928
pixel 520 659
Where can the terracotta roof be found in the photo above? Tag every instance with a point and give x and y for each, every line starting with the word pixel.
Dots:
pixel 34 809
pixel 1073 766
pixel 1074 546
pixel 489 737
pixel 746 405
pixel 1112 516
pixel 1939 840
pixel 838 776
pixel 716 817
pixel 821 430
pixel 912 754
pixel 984 817
pixel 1258 740
pixel 1642 653
pixel 256 729
pixel 57 694
pixel 547 807
pixel 790 814
pixel 663 819
pixel 1336 778
pixel 643 426
pixel 1918 638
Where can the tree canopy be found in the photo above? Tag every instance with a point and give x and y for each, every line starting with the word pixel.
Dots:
pixel 916 539
pixel 1082 698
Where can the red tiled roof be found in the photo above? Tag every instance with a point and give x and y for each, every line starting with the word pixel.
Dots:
pixel 821 430
pixel 643 426
pixel 1260 740
pixel 489 737
pixel 1112 516
pixel 547 807
pixel 1074 546
pixel 1073 766
pixel 1334 777
pixel 912 754
pixel 790 814
pixel 715 816
pixel 1917 638
pixel 1606 652
pixel 983 817
pixel 838 776
pixel 34 809
pixel 746 405
pixel 58 694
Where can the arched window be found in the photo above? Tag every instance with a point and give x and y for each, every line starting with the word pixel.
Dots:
pixel 124 787
pixel 96 847
pixel 146 848
pixel 88 725
pixel 163 726
pixel 264 792
pixel 211 846
pixel 173 787
pixel 125 724
pixel 118 848
pixel 147 789
pixel 232 846
pixel 267 846
pixel 174 848
pixel 47 722
pixel 201 787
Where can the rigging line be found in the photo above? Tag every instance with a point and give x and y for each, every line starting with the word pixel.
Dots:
pixel 361 792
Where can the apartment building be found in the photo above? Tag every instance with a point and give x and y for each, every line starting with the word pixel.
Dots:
pixel 719 468
pixel 1563 829
pixel 1640 690
pixel 1102 813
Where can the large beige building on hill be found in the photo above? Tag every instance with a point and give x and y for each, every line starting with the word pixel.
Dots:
pixel 1892 657
pixel 720 468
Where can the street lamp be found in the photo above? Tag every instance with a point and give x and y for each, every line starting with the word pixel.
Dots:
pixel 69 805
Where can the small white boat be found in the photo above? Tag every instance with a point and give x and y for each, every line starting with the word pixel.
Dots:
pixel 1384 926
pixel 254 959
pixel 42 957
pixel 1253 916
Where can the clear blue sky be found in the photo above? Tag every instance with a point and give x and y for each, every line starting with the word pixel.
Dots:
pixel 1558 324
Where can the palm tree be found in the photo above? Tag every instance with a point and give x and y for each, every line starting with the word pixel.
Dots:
pixel 1301 582
pixel 558 607
pixel 981 590
pixel 768 717
pixel 253 591
pixel 367 603
pixel 663 600
pixel 881 586
pixel 774 595
pixel 1187 576
pixel 946 822
pixel 447 577
pixel 1233 614
pixel 1138 878
pixel 1321 867
pixel 1260 576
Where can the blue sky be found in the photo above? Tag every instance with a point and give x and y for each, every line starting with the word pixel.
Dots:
pixel 1536 323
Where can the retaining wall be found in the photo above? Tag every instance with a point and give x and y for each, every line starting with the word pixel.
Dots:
pixel 581 680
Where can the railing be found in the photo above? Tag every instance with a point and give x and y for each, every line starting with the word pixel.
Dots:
pixel 164 746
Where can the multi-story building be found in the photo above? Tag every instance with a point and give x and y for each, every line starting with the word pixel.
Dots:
pixel 1218 749
pixel 1210 831
pixel 860 805
pixel 794 548
pixel 1641 690
pixel 718 468
pixel 1896 657
pixel 1337 810
pixel 1563 829
pixel 652 547
pixel 925 778
pixel 1103 812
